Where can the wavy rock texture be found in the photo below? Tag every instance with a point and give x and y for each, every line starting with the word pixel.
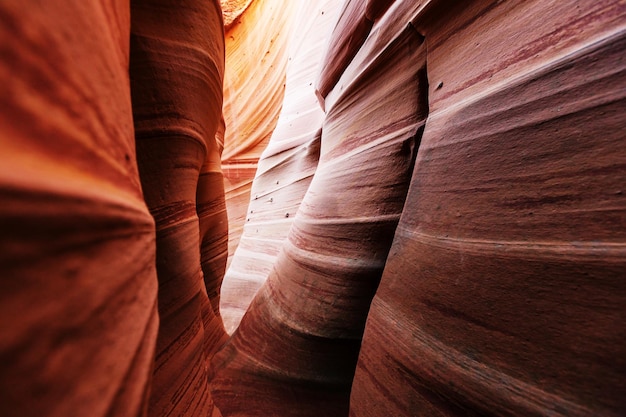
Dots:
pixel 353 27
pixel 504 290
pixel 77 247
pixel 295 350
pixel 177 66
pixel 254 82
pixel 286 166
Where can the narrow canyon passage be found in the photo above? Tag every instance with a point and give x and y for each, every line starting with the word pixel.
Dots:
pixel 354 208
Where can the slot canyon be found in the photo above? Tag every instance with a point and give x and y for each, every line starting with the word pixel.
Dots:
pixel 307 208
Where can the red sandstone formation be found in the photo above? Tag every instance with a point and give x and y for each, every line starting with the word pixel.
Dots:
pixel 471 260
pixel 309 315
pixel 78 287
pixel 177 61
pixel 504 292
pixel 472 154
pixel 286 166
pixel 79 295
pixel 353 27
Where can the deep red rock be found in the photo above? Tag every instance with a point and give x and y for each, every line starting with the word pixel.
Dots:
pixel 177 67
pixel 376 8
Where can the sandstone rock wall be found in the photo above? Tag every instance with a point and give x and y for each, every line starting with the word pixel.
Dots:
pixel 286 166
pixel 78 286
pixel 254 83
pixel 177 67
pixel 504 291
pixel 455 175
pixel 80 255
pixel 295 350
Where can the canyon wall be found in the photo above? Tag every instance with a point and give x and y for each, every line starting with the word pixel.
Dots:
pixel 78 287
pixel 286 166
pixel 176 71
pixel 254 82
pixel 85 177
pixel 437 225
pixel 295 350
pixel 502 293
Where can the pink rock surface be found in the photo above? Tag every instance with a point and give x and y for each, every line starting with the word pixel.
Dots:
pixel 351 30
pixel 254 83
pixel 286 166
pixel 295 350
pixel 504 293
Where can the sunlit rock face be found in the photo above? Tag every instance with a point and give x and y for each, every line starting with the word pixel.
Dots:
pixel 295 350
pixel 504 290
pixel 254 84
pixel 286 166
pixel 78 286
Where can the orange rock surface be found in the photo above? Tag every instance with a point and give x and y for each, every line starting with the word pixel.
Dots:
pixel 425 202
pixel 82 263
pixel 254 82
pixel 78 285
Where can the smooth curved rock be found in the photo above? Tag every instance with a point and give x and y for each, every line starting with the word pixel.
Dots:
pixel 286 166
pixel 177 64
pixel 78 292
pixel 295 350
pixel 504 290
pixel 352 28
pixel 254 83
pixel 503 293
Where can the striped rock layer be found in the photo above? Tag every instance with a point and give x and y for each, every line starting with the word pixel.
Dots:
pixel 107 127
pixel 286 166
pixel 454 179
pixel 254 84
pixel 176 70
pixel 504 293
pixel 295 351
